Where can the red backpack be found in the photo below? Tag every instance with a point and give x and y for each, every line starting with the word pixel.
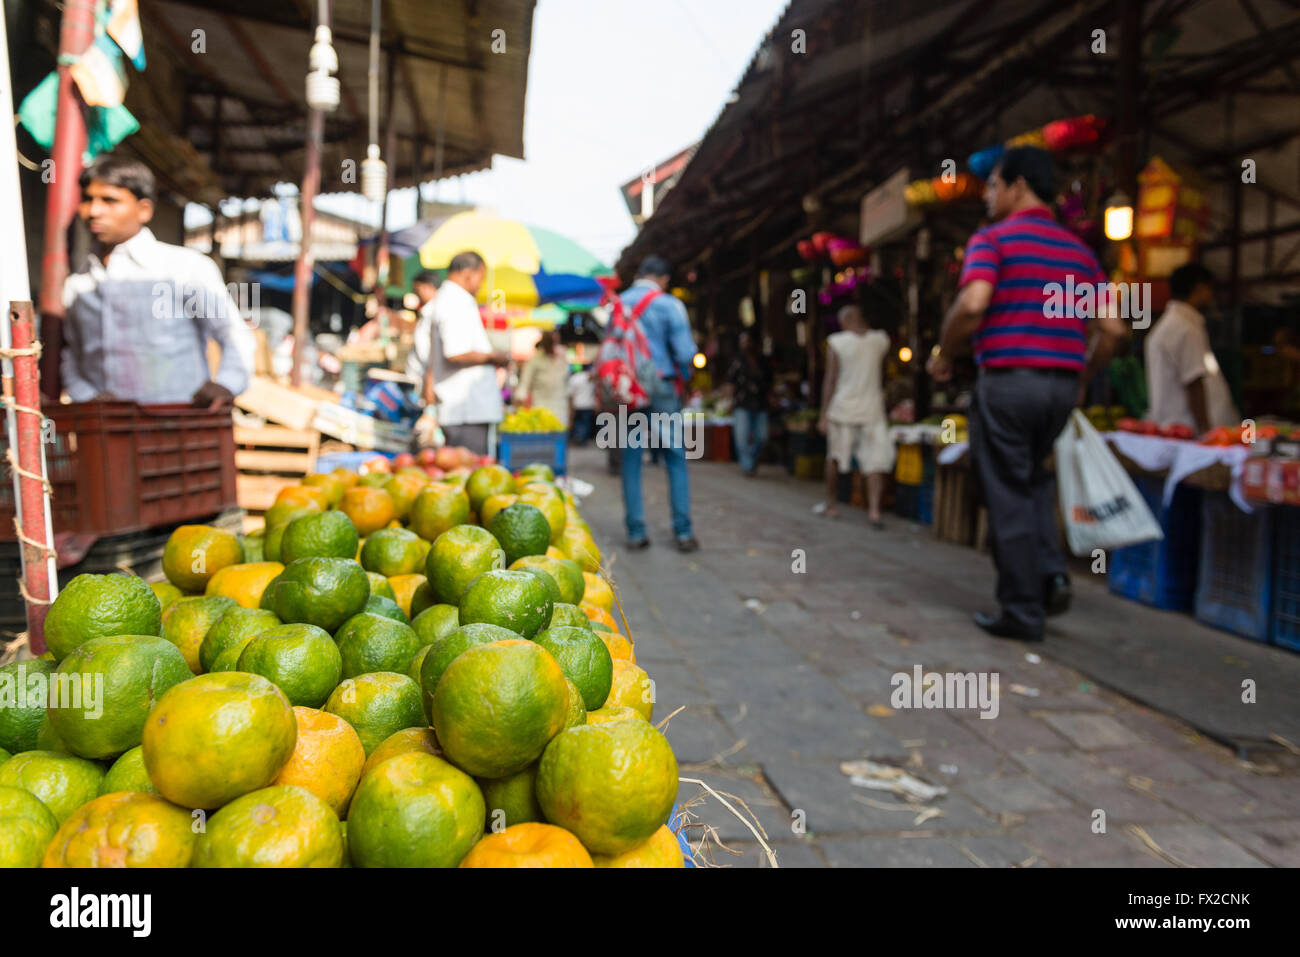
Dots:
pixel 625 372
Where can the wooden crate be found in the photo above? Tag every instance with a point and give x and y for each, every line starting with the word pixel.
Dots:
pixel 270 458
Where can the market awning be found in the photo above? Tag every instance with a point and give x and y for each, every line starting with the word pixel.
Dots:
pixel 840 96
pixel 231 120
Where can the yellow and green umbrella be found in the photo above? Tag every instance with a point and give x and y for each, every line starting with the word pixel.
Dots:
pixel 527 266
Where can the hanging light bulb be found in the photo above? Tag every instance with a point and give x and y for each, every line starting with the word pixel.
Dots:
pixel 374 175
pixel 1118 220
pixel 322 88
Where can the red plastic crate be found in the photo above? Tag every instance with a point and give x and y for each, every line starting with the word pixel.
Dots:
pixel 120 467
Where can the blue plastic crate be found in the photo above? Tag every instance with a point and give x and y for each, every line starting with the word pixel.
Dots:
pixel 914 502
pixel 925 501
pixel 517 449
pixel 1235 587
pixel 1162 574
pixel 1286 577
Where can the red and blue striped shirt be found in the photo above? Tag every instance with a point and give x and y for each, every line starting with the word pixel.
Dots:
pixel 1022 256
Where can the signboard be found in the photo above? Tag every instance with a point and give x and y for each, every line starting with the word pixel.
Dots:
pixel 885 213
pixel 659 179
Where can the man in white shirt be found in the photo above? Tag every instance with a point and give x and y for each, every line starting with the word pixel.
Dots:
pixel 465 371
pixel 422 358
pixel 1184 383
pixel 139 313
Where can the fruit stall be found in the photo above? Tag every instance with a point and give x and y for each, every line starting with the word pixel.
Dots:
pixel 431 669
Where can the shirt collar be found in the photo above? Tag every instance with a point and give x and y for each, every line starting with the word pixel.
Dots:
pixel 1184 309
pixel 1037 212
pixel 138 248
pixel 645 284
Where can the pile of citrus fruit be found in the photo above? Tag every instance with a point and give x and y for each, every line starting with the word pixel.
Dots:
pixel 532 420
pixel 394 672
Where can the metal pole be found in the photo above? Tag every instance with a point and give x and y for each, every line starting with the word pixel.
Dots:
pixel 75 36
pixel 303 267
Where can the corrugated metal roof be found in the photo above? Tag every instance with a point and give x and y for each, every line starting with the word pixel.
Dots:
pixel 251 57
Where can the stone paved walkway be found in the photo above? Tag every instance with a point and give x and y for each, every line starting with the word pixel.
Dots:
pixel 782 676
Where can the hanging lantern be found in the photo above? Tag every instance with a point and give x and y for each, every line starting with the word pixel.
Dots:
pixel 962 186
pixel 807 251
pixel 1073 133
pixel 920 193
pixel 982 162
pixel 1118 218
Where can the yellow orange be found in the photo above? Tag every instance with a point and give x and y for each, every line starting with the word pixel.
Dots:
pixel 528 845
pixel 369 508
pixel 326 760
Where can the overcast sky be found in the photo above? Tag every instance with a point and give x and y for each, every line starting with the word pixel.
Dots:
pixel 613 86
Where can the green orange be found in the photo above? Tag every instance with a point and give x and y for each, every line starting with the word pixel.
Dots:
pixel 514 600
pixel 186 623
pixel 632 688
pixel 400 742
pixel 510 800
pixel 234 629
pixel 26 828
pixel 24 693
pixel 438 507
pixel 194 553
pixel 445 649
pixel 281 826
pixel 91 606
pixel 612 784
pixel 301 660
pixel 62 782
pixel 497 705
pixel 522 530
pixel 584 659
pixel 124 829
pixel 253 545
pixel 570 616
pixel 414 810
pixel 377 705
pixel 166 593
pixel 104 690
pixel 327 535
pixel 579 546
pixel 493 505
pixel 128 773
pixel 393 551
pixel 458 556
pixel 385 608
pixel 567 575
pixel 379 585
pixel 212 738
pixel 487 481
pixel 436 621
pixel 330 484
pixel 324 592
pixel 370 642
pixel 403 489
pixel 549 502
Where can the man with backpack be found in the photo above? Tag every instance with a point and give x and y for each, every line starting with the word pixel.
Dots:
pixel 656 323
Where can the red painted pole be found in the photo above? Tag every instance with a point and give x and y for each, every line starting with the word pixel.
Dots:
pixel 75 36
pixel 34 533
pixel 303 268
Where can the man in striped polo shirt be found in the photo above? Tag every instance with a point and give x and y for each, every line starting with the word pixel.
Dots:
pixel 1035 353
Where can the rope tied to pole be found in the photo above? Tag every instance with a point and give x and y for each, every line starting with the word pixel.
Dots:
pixel 32 350
pixel 12 459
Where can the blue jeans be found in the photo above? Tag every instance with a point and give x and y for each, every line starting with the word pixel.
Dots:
pixel 749 428
pixel 673 453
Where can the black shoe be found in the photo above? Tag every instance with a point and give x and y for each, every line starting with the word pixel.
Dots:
pixel 688 544
pixel 637 544
pixel 1000 626
pixel 1057 600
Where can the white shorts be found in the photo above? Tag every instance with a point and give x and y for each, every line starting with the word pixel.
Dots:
pixel 868 442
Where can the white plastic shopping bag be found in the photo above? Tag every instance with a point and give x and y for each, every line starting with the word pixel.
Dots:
pixel 1101 505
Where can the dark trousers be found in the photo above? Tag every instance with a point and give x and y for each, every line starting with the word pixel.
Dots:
pixel 473 437
pixel 1015 418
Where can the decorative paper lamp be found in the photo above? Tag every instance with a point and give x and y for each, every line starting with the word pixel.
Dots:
pixel 982 162
pixel 1073 133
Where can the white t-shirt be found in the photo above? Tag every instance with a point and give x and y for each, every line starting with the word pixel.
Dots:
pixel 858 396
pixel 582 390
pixel 1178 353
pixel 468 395
pixel 422 349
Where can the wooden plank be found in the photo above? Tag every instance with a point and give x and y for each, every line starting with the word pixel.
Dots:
pixel 258 460
pixel 276 435
pixel 277 403
pixel 258 492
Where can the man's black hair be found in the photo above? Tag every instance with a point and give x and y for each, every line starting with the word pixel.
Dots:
pixel 428 277
pixel 1186 278
pixel 464 262
pixel 1034 165
pixel 123 173
pixel 654 266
